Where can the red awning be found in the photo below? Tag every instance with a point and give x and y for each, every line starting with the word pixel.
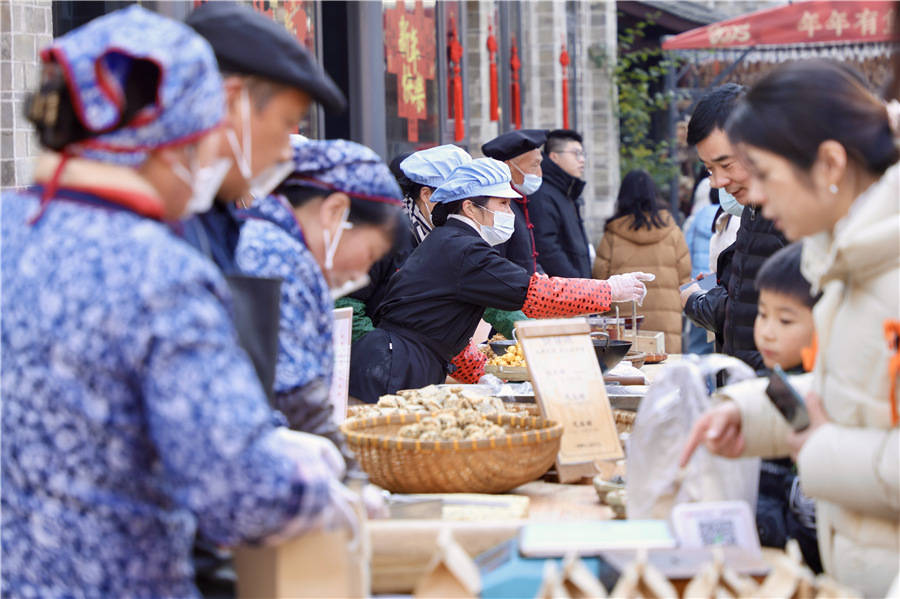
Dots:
pixel 811 22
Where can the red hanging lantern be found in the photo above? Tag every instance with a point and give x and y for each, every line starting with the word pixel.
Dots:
pixel 492 52
pixel 515 64
pixel 455 53
pixel 564 61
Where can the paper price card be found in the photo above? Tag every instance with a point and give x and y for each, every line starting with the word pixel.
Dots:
pixel 340 375
pixel 569 388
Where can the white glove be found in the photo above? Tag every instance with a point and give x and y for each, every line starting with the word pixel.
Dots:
pixel 316 446
pixel 629 288
pixel 376 506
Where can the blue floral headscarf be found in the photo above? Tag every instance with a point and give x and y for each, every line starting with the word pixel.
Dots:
pixel 96 59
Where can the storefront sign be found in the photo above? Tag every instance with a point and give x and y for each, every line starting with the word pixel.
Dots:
pixel 410 51
pixel 813 22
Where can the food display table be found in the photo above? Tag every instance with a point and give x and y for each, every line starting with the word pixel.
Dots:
pixel 652 370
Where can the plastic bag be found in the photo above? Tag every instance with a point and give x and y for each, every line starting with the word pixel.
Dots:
pixel 674 402
pixel 500 388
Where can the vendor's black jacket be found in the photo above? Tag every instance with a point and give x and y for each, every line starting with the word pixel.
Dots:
pixel 441 291
pixel 515 250
pixel 215 234
pixel 380 276
pixel 519 248
pixel 731 314
pixel 559 235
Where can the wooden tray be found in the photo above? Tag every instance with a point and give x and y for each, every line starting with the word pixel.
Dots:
pixel 508 373
pixel 655 358
pixel 637 359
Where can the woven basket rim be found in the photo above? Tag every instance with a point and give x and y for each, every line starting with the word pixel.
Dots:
pixel 540 431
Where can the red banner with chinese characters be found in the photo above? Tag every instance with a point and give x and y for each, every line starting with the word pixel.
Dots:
pixel 410 50
pixel 293 16
pixel 811 22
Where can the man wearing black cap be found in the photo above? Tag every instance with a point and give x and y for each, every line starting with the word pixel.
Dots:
pixel 270 81
pixel 520 150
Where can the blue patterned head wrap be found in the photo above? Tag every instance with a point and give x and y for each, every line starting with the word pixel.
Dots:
pixel 96 60
pixel 341 165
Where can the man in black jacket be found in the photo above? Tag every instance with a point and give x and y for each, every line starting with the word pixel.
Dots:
pixel 729 309
pixel 556 208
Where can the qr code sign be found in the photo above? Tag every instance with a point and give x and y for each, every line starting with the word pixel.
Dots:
pixel 717 532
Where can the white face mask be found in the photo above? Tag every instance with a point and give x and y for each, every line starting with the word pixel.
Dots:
pixel 729 204
pixel 204 182
pixel 206 186
pixel 530 185
pixel 502 229
pixel 262 184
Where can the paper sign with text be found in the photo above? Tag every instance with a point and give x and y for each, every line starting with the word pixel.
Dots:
pixel 340 375
pixel 569 388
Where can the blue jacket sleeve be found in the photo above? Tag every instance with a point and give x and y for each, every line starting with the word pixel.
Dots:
pixel 211 425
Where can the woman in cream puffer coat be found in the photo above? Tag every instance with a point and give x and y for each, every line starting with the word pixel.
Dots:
pixel 845 206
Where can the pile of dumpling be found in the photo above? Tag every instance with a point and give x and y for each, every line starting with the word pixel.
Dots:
pixel 464 424
pixel 432 399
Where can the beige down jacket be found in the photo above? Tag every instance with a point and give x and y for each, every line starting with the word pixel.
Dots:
pixel 661 251
pixel 850 465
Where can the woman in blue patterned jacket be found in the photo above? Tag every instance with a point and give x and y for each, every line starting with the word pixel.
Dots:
pixel 130 419
pixel 335 215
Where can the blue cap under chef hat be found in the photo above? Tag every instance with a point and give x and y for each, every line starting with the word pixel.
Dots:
pixel 97 58
pixel 431 167
pixel 341 165
pixel 480 177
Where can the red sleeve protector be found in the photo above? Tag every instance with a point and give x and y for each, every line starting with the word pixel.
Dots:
pixel 556 297
pixel 469 365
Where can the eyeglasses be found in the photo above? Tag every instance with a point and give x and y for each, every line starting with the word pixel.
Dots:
pixel 577 153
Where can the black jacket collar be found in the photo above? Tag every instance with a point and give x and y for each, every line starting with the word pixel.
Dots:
pixel 554 175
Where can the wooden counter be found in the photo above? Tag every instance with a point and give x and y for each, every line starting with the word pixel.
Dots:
pixel 652 370
pixel 401 549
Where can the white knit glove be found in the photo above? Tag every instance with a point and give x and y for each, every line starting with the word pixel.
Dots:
pixel 307 444
pixel 376 506
pixel 629 288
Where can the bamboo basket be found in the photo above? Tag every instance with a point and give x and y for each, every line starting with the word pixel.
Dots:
pixel 457 466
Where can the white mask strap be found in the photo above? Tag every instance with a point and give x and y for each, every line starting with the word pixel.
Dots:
pixel 242 154
pixel 188 176
pixel 331 248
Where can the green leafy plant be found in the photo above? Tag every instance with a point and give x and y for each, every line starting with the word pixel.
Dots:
pixel 636 74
